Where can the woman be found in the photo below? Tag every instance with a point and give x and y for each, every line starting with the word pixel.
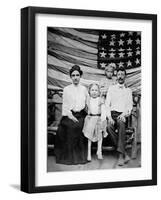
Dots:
pixel 71 145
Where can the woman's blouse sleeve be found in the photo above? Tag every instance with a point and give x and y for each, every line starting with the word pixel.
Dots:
pixel 66 103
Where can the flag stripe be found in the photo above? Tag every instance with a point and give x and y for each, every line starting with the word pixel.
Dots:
pixel 74 34
pixel 62 63
pixel 71 51
pixel 64 79
pixel 67 46
pixel 90 76
pixel 58 39
pixel 72 59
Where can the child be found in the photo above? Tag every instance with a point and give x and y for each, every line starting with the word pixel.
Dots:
pixel 107 81
pixel 95 122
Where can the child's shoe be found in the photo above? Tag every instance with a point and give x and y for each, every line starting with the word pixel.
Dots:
pixel 89 158
pixel 99 155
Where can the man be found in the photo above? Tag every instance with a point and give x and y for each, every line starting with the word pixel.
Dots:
pixel 118 106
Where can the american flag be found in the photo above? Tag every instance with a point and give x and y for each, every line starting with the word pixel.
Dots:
pixel 120 47
pixel 92 50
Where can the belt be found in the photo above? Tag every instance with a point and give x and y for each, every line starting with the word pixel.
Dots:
pixel 94 114
pixel 81 112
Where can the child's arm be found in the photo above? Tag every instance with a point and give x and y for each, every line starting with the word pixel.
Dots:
pixel 102 109
pixel 103 112
pixel 87 104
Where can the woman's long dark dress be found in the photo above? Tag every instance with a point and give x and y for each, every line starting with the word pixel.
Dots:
pixel 71 145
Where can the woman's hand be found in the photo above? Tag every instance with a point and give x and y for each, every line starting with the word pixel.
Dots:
pixel 111 121
pixel 74 119
pixel 122 118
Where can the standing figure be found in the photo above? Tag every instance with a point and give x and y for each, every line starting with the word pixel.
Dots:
pixel 104 84
pixel 119 105
pixel 95 125
pixel 107 81
pixel 71 145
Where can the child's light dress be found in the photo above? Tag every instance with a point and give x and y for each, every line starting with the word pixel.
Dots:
pixel 94 125
pixel 104 85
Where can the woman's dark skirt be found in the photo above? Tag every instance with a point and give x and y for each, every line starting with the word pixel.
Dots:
pixel 71 145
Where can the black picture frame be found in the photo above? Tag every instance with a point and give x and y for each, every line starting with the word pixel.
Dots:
pixel 28 91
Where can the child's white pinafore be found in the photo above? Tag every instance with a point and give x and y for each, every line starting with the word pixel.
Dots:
pixel 94 128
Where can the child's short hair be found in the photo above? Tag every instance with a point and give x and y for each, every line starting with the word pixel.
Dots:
pixel 91 85
pixel 111 66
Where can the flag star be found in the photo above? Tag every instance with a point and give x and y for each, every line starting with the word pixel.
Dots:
pixel 121 49
pixel 129 41
pixel 138 48
pixel 137 61
pixel 121 64
pixel 122 34
pixel 129 49
pixel 113 36
pixel 112 55
pixel 121 42
pixel 138 52
pixel 104 36
pixel 112 43
pixel 103 54
pixel 121 55
pixel 129 63
pixel 138 41
pixel 129 53
pixel 112 49
pixel 139 33
pixel 103 65
pixel 102 48
pixel 130 33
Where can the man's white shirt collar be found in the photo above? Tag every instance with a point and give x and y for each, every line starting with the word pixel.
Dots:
pixel 120 86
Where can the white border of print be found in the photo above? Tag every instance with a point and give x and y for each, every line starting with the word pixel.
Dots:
pixel 94 176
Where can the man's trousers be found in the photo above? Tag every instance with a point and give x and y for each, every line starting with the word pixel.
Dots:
pixel 117 137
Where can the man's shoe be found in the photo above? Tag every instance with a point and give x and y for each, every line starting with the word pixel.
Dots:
pixel 120 162
pixel 127 159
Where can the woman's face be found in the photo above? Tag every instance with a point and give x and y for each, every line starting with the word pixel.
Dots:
pixel 94 91
pixel 75 76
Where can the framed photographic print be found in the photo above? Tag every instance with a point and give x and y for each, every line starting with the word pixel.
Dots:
pixel 88 99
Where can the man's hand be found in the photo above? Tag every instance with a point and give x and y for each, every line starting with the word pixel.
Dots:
pixel 111 121
pixel 71 116
pixel 122 118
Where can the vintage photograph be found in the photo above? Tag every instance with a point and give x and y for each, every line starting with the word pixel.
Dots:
pixel 94 99
pixel 88 99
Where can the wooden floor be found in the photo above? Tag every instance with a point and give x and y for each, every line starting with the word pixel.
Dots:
pixel 110 159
